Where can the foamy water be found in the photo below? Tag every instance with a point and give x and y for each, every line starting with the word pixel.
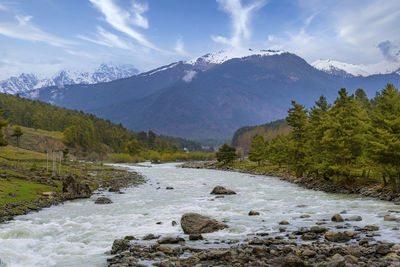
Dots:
pixel 78 233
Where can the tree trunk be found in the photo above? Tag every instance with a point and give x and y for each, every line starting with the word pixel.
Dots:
pixel 384 180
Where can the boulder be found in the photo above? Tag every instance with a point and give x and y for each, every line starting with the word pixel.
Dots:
pixel 283 222
pixel 253 213
pixel 337 261
pixel 334 236
pixel 170 240
pixel 103 200
pixel 195 237
pixel 371 227
pixel 389 218
pixel 150 237
pixel 355 218
pixel 73 189
pixel 220 190
pixel 119 245
pixel 292 260
pixel 383 249
pixel 318 229
pixel 193 223
pixel 337 218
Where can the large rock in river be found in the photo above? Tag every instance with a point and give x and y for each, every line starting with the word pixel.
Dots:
pixel 220 190
pixel 73 189
pixel 193 223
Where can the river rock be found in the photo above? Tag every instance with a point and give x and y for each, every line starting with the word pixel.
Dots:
pixel 253 213
pixel 170 240
pixel 220 190
pixel 194 237
pixel 389 218
pixel 354 218
pixel 193 223
pixel 309 253
pixel 334 236
pixel 119 245
pixel 383 249
pixel 73 189
pixel 371 227
pixel 292 260
pixel 103 200
pixel 150 237
pixel 283 222
pixel 166 249
pixel 337 218
pixel 309 236
pixel 318 229
pixel 337 261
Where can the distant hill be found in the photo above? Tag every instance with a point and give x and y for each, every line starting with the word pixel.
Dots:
pixel 83 131
pixel 213 95
pixel 243 136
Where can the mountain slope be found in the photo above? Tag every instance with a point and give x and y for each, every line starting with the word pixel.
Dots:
pixel 213 95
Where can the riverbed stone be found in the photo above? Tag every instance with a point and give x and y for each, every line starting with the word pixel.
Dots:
pixel 355 218
pixel 150 237
pixel 383 249
pixel 220 190
pixel 119 245
pixel 283 222
pixel 337 261
pixel 389 218
pixel 371 227
pixel 170 240
pixel 194 223
pixel 194 237
pixel 337 218
pixel 103 200
pixel 334 236
pixel 292 260
pixel 318 229
pixel 253 213
pixel 73 189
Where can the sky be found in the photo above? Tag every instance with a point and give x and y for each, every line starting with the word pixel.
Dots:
pixel 45 36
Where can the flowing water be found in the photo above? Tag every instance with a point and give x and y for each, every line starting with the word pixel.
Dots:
pixel 78 233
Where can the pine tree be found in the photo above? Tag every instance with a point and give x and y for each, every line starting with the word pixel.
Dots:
pixel 17 133
pixel 316 129
pixel 278 149
pixel 258 149
pixel 297 119
pixel 226 154
pixel 344 139
pixel 384 133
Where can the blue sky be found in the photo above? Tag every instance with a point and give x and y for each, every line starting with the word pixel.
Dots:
pixel 44 36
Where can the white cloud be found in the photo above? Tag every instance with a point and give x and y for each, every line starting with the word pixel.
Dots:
pixel 108 39
pixel 180 48
pixel 3 7
pixel 25 30
pixel 137 18
pixel 189 76
pixel 122 20
pixel 344 30
pixel 240 19
pixel 80 53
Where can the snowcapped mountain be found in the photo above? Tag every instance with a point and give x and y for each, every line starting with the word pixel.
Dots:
pixel 343 69
pixel 225 55
pixel 30 82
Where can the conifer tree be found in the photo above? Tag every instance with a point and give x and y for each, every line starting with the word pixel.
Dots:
pixel 297 119
pixel 3 123
pixel 258 149
pixel 278 150
pixel 344 139
pixel 384 133
pixel 226 154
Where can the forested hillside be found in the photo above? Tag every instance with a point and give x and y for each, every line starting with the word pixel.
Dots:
pixel 353 138
pixel 243 137
pixel 86 132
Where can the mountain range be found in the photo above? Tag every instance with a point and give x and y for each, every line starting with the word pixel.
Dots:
pixel 30 83
pixel 213 95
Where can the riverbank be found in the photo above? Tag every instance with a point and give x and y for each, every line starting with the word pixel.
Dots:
pixel 375 190
pixel 24 190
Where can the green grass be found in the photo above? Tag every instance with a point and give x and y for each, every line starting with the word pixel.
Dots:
pixel 15 153
pixel 25 190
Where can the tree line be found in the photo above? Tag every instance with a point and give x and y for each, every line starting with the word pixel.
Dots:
pixel 84 131
pixel 351 138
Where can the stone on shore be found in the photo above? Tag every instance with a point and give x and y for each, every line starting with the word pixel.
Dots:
pixel 193 223
pixel 73 189
pixel 334 236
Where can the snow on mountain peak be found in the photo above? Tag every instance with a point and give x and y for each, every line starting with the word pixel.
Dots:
pixel 345 69
pixel 225 55
pixel 104 73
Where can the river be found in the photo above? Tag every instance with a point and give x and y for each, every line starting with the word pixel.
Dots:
pixel 78 233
